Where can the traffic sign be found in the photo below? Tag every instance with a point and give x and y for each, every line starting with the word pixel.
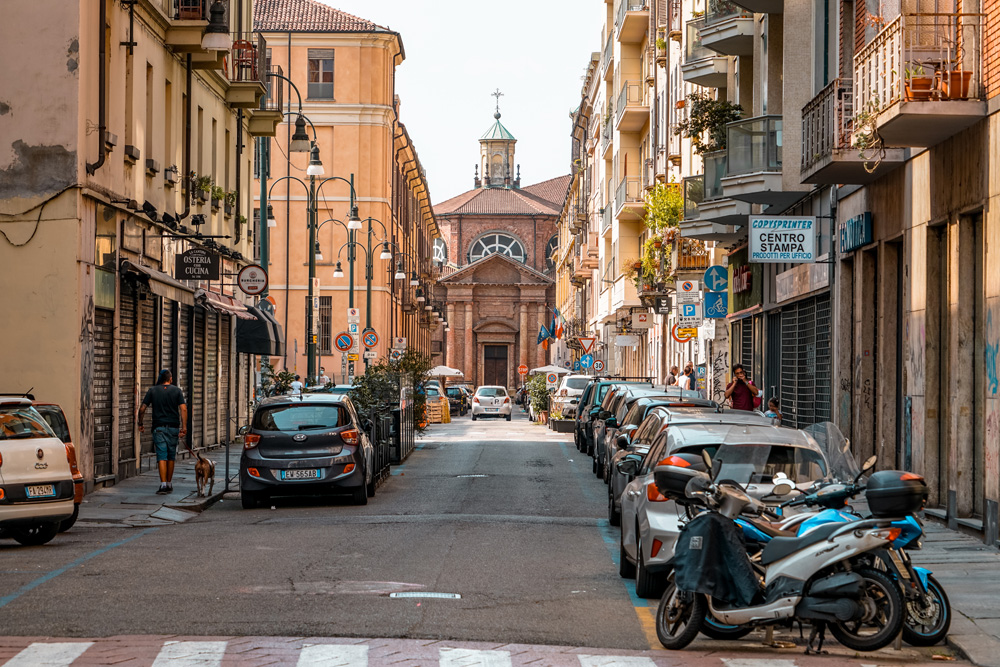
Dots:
pixel 716 304
pixel 567 364
pixel 551 379
pixel 690 314
pixel 396 355
pixel 716 278
pixel 687 292
pixel 352 357
pixel 370 339
pixel 398 343
pixel 353 313
pixel 252 280
pixel 587 360
pixel 522 369
pixel 344 341
pixel 687 332
pixel 577 365
pixel 587 343
pixel 352 327
pixel 370 354
pixel 598 365
pixel 676 335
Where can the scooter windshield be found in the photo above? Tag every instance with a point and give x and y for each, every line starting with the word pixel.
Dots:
pixel 837 451
pixel 761 463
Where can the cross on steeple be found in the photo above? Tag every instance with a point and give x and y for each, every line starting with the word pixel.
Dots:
pixel 497 94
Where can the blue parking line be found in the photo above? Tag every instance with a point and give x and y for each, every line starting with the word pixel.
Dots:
pixel 7 599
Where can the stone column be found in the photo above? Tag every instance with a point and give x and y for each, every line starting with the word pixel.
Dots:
pixel 524 338
pixel 450 337
pixel 470 369
pixel 541 322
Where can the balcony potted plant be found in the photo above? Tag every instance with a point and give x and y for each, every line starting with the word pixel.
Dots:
pixel 203 186
pixel 955 83
pixel 706 123
pixel 230 202
pixel 661 46
pixel 919 85
pixel 218 194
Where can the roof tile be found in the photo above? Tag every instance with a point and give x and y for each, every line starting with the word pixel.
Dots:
pixel 307 16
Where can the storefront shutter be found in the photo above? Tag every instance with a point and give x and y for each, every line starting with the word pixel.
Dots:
pixel 225 380
pixel 147 360
pixel 104 333
pixel 198 380
pixel 126 379
pixel 211 377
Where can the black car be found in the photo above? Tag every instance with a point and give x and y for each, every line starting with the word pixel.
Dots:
pixel 311 444
pixel 458 400
pixel 591 399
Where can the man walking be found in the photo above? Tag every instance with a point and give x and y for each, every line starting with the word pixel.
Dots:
pixel 672 377
pixel 741 391
pixel 169 424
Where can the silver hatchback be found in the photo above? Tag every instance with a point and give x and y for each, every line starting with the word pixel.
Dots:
pixel 491 401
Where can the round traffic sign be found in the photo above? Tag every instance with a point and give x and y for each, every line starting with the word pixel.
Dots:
pixel 677 337
pixel 687 286
pixel 598 365
pixel 587 360
pixel 370 339
pixel 252 280
pixel 344 342
pixel 552 378
pixel 522 369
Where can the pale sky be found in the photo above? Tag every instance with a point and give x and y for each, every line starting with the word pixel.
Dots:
pixel 459 51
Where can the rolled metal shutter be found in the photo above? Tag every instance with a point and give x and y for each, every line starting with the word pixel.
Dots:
pixel 167 334
pixel 147 359
pixel 126 379
pixel 225 371
pixel 197 401
pixel 806 368
pixel 211 377
pixel 104 335
pixel 184 352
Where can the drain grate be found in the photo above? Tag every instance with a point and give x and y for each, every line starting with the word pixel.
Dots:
pixel 416 594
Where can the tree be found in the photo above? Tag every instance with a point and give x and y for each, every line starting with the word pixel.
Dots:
pixel 708 116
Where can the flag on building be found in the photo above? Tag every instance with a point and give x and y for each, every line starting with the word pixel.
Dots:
pixel 543 336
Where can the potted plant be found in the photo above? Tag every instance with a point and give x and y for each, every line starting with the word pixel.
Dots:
pixel 230 201
pixel 919 85
pixel 661 46
pixel 955 83
pixel 218 194
pixel 706 123
pixel 203 186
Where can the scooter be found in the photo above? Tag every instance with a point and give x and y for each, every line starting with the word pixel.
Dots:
pixel 803 578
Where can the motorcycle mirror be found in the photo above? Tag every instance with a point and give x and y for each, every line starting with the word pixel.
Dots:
pixel 782 488
pixel 707 458
pixel 716 467
pixel 869 463
pixel 244 429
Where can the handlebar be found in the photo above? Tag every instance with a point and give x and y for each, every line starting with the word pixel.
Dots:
pixel 816 498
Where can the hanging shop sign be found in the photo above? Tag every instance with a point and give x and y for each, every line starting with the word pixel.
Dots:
pixel 855 232
pixel 742 279
pixel 782 239
pixel 196 264
pixel 642 321
pixel 626 340
pixel 663 305
pixel 252 280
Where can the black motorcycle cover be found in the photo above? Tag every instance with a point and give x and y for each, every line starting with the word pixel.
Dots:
pixel 710 558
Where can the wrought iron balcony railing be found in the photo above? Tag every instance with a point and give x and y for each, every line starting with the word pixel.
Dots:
pixel 247 61
pixel 827 122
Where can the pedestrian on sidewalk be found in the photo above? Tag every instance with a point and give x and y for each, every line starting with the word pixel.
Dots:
pixel 773 410
pixel 691 376
pixel 323 378
pixel 741 391
pixel 672 377
pixel 169 424
pixel 296 386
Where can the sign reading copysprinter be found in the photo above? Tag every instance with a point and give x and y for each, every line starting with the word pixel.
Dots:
pixel 778 239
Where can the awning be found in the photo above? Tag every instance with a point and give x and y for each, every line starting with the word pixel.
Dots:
pixel 158 282
pixel 260 335
pixel 221 303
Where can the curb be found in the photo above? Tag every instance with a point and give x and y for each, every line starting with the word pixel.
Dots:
pixel 980 648
pixel 196 505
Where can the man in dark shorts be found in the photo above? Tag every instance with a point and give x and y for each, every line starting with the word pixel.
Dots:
pixel 741 391
pixel 169 424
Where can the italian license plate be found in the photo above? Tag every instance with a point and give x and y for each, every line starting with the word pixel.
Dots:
pixel 311 473
pixel 41 491
pixel 492 409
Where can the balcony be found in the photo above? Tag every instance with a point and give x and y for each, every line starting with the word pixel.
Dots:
pixel 689 255
pixel 920 81
pixel 186 29
pixel 606 215
pixel 264 120
pixel 607 57
pixel 702 66
pixel 717 206
pixel 706 219
pixel 589 256
pixel 580 272
pixel 632 20
pixel 632 110
pixel 606 142
pixel 247 71
pixel 762 6
pixel 753 172
pixel 675 21
pixel 728 29
pixel 648 175
pixel 629 203
pixel 828 155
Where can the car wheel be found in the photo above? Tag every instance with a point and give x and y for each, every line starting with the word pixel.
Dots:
pixel 370 487
pixel 251 499
pixel 625 567
pixel 614 516
pixel 35 534
pixel 473 417
pixel 66 524
pixel 508 417
pixel 359 496
pixel 647 584
pixel 606 472
pixel 593 465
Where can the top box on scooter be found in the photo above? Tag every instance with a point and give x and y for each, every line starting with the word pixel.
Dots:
pixel 673 473
pixel 895 493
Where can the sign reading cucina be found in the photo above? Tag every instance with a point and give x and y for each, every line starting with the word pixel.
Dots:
pixel 781 239
pixel 197 264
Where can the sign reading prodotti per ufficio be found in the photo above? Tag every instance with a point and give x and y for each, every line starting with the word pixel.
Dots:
pixel 780 239
pixel 196 264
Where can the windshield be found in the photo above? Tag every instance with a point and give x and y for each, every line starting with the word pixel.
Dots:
pixel 576 383
pixel 22 421
pixel 303 417
pixel 491 391
pixel 837 450
pixel 759 463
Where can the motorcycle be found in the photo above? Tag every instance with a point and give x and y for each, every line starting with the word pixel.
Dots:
pixel 806 578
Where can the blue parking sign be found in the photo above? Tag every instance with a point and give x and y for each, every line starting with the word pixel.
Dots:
pixel 576 365
pixel 716 304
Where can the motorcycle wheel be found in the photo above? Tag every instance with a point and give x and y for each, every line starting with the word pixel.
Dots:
pixel 716 630
pixel 930 627
pixel 883 614
pixel 679 617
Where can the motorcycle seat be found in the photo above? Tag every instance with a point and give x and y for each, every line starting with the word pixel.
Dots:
pixel 770 529
pixel 780 547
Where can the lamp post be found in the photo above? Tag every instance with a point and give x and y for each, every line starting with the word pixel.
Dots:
pixel 369 268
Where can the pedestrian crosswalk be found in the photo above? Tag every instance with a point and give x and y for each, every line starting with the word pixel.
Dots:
pixel 300 652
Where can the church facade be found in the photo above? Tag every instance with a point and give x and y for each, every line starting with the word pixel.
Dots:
pixel 497 282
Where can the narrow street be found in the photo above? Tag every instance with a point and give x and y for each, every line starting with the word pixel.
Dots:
pixel 505 515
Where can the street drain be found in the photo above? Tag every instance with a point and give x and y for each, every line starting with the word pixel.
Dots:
pixel 415 594
pixel 471 475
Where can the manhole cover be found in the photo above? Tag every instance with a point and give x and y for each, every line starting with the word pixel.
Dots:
pixel 440 596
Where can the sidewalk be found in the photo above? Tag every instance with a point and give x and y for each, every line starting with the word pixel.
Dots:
pixel 968 571
pixel 133 501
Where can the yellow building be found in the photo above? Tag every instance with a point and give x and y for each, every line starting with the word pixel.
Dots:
pixel 343 70
pixel 120 153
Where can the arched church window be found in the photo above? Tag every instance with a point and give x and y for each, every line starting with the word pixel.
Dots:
pixel 496 242
pixel 550 252
pixel 440 251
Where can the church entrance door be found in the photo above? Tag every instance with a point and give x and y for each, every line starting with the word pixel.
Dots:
pixel 495 365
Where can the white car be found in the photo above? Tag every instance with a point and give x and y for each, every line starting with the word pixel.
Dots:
pixel 567 396
pixel 36 483
pixel 491 401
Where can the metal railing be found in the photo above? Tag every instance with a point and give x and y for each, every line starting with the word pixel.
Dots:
pixel 721 10
pixel 648 177
pixel 609 54
pixel 673 141
pixel 606 135
pixel 189 10
pixel 625 6
pixel 694 194
pixel 689 255
pixel 693 49
pixel 247 60
pixel 715 170
pixel 827 122
pixel 274 97
pixel 754 145
pixel 606 218
pixel 629 96
pixel 676 19
pixel 629 192
pixel 945 47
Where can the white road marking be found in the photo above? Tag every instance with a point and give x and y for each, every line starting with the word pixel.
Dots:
pixel 333 655
pixel 49 655
pixel 757 662
pixel 464 657
pixel 612 661
pixel 190 654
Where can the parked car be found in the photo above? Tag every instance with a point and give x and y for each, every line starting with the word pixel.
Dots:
pixel 54 417
pixel 608 417
pixel 649 521
pixel 312 444
pixel 588 407
pixel 338 389
pixel 36 482
pixel 458 401
pixel 567 396
pixel 491 401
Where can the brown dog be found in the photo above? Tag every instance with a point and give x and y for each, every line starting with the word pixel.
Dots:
pixel 204 473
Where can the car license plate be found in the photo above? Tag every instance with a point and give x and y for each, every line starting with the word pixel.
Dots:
pixel 492 409
pixel 311 473
pixel 41 491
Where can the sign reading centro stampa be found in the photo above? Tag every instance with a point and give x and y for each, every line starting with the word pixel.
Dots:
pixel 779 239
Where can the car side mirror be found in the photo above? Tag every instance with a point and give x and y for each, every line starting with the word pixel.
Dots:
pixel 243 430
pixel 628 467
pixel 611 422
pixel 623 441
pixel 594 412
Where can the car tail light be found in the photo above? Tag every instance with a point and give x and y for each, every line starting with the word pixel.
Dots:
pixel 349 468
pixel 1 460
pixel 253 472
pixel 674 461
pixel 349 436
pixel 71 457
pixel 250 440
pixel 656 548
pixel 653 494
pixel 506 400
pixel 3 494
pixel 475 399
